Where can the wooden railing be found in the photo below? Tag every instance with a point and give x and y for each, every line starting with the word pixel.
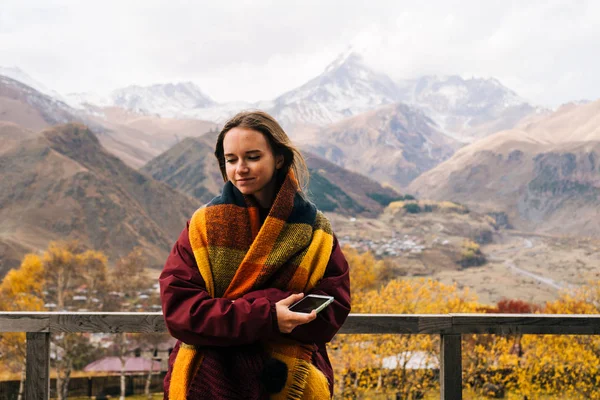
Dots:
pixel 39 327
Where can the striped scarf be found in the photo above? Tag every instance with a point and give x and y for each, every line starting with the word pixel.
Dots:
pixel 236 255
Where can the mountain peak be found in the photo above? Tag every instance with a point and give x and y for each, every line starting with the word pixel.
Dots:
pixel 164 99
pixel 72 138
pixel 348 58
pixel 21 76
pixel 347 87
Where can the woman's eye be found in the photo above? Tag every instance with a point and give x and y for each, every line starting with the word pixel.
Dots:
pixel 253 158
pixel 229 161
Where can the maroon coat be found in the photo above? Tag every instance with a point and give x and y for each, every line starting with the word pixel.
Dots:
pixel 195 318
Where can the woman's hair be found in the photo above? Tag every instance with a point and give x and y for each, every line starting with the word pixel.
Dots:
pixel 279 141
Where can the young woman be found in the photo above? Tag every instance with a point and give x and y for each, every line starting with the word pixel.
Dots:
pixel 241 261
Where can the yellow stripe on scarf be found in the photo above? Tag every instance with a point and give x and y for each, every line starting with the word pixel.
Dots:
pixel 317 257
pixel 197 235
pixel 307 383
pixel 185 367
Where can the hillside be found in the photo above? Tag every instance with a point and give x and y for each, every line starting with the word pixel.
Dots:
pixel 62 184
pixel 545 176
pixel 133 137
pixel 137 138
pixel 29 108
pixel 393 144
pixel 191 167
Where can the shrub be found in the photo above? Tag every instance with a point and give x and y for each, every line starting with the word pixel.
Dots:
pixel 471 254
pixel 412 208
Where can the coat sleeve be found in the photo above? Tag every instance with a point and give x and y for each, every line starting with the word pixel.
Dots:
pixel 336 283
pixel 194 317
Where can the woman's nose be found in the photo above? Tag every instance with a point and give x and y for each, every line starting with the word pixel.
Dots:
pixel 242 168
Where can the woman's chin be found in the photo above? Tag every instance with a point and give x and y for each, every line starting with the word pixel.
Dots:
pixel 246 190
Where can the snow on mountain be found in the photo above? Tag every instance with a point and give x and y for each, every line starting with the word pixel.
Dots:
pixel 31 102
pixel 166 100
pixel 345 88
pixel 463 106
pixel 464 109
pixel 19 75
pixel 83 100
pixel 457 95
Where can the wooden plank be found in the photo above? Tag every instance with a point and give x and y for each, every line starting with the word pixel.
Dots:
pixel 450 367
pixel 37 369
pixel 396 324
pixel 356 323
pixel 24 322
pixel 382 323
pixel 526 324
pixel 108 322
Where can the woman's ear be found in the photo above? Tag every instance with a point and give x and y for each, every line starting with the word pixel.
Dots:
pixel 279 159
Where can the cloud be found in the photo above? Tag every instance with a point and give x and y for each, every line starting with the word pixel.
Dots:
pixel 252 50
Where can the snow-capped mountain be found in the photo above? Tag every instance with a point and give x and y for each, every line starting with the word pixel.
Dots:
pixel 166 100
pixel 458 96
pixel 465 107
pixel 31 108
pixel 19 75
pixel 83 100
pixel 347 87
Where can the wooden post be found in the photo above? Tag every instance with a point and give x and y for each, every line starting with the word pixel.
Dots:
pixel 451 367
pixel 37 370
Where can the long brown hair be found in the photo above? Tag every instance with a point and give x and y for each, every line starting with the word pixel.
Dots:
pixel 279 141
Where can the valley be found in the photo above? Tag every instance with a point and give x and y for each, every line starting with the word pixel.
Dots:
pixel 520 265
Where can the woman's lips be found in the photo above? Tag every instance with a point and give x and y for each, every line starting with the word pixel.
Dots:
pixel 245 181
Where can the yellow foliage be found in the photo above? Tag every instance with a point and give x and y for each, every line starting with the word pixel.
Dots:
pixel 21 288
pixel 449 206
pixel 365 270
pixel 540 365
pixel 359 359
pixel 431 205
pixel 396 205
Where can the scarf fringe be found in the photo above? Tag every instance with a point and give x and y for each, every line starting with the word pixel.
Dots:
pixel 299 379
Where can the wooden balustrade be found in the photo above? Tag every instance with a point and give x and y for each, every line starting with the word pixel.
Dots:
pixel 40 325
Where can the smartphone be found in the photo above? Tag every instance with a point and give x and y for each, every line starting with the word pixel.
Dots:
pixel 311 302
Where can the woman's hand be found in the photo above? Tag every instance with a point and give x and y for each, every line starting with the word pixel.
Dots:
pixel 287 320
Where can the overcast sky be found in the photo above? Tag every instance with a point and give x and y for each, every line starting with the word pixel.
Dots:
pixel 547 51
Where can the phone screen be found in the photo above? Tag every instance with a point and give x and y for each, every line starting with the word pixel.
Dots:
pixel 308 303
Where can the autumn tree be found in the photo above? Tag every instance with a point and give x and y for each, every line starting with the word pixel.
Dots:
pixel 20 290
pixel 565 365
pixel 131 283
pixel 401 365
pixel 75 278
pixel 489 360
pixel 365 271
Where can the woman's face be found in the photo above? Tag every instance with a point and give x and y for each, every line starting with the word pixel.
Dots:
pixel 250 164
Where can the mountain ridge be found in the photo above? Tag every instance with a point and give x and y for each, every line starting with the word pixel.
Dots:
pixel 62 184
pixel 191 167
pixel 545 176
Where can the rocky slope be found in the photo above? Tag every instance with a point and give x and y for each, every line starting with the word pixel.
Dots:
pixel 393 144
pixel 545 176
pixel 62 184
